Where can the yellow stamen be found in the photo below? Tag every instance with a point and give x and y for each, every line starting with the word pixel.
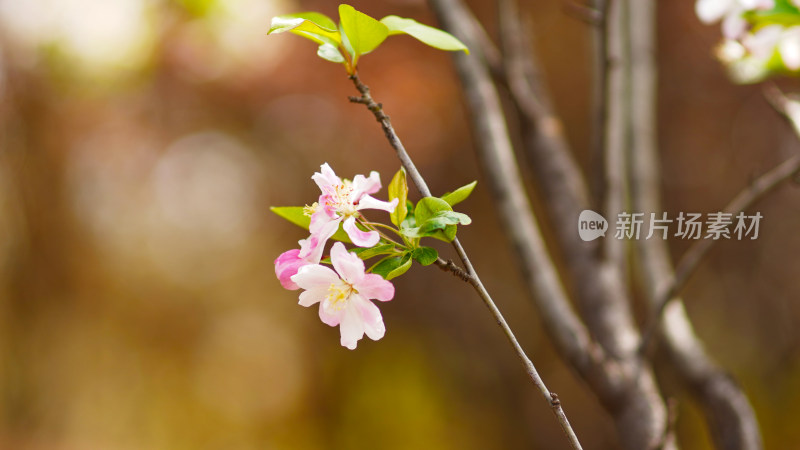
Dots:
pixel 310 210
pixel 339 295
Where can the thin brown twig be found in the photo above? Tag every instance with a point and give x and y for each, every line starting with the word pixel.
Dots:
pixel 600 90
pixel 586 14
pixel 689 262
pixel 760 187
pixel 469 274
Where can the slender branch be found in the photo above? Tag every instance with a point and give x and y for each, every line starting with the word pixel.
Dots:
pixel 600 90
pixel 613 148
pixel 761 186
pixel 471 275
pixel 689 262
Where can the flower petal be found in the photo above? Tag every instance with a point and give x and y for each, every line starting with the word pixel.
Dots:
pixel 761 44
pixel 370 316
pixel 330 316
pixel 363 185
pixel 349 266
pixel 315 276
pixel 311 249
pixel 710 11
pixel 789 48
pixel 312 296
pixel 734 25
pixel 326 177
pixel 286 265
pixel 351 328
pixel 360 238
pixel 368 202
pixel 373 286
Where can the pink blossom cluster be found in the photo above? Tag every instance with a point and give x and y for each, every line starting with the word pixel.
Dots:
pixel 344 293
pixel 749 50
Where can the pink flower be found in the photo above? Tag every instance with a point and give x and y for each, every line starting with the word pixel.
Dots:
pixel 341 201
pixel 287 265
pixel 730 12
pixel 344 295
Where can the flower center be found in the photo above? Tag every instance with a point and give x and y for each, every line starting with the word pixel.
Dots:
pixel 339 295
pixel 339 199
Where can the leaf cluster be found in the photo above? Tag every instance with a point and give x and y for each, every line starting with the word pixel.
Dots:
pixel 357 34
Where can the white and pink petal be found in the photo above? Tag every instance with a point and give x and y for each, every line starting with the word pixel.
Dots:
pixel 373 286
pixel 368 202
pixel 326 177
pixel 351 328
pixel 287 265
pixel 314 277
pixel 363 185
pixel 370 316
pixel 348 265
pixel 359 237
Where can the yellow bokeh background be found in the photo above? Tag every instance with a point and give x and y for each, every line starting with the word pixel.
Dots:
pixel 141 145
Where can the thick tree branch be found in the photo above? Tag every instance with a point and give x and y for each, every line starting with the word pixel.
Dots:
pixel 627 389
pixel 469 275
pixel 727 410
pixel 600 293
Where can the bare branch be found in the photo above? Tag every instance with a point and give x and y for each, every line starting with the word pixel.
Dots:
pixel 600 90
pixel 627 389
pixel 470 275
pixel 727 410
pixel 613 148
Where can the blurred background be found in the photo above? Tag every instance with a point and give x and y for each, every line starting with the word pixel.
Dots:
pixel 141 144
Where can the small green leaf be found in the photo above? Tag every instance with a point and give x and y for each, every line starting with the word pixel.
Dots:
pixel 367 253
pixel 310 25
pixel 425 255
pixel 428 206
pixel 295 215
pixel 392 266
pixel 460 194
pixel 398 189
pixel 442 220
pixel 404 266
pixel 330 53
pixel 426 209
pixel 363 33
pixel 425 34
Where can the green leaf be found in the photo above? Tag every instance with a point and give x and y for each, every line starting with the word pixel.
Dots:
pixel 392 266
pixel 443 219
pixel 441 225
pixel 426 209
pixel 330 53
pixel 402 269
pixel 363 33
pixel 427 35
pixel 310 25
pixel 398 189
pixel 425 255
pixel 295 215
pixel 367 253
pixel 460 194
pixel 428 206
